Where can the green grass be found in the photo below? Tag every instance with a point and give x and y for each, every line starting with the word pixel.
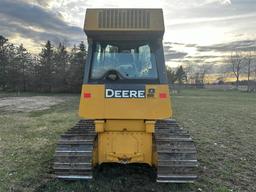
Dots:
pixel 223 125
pixel 27 143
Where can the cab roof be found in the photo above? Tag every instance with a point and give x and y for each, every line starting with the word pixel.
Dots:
pixel 124 23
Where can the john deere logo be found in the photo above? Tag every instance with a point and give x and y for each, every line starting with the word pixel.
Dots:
pixel 117 93
pixel 151 92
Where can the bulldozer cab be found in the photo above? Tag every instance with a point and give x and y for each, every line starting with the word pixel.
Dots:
pixel 125 61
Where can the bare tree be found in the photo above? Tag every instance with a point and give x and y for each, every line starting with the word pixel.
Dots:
pixel 205 69
pixel 254 70
pixel 248 60
pixel 189 68
pixel 199 80
pixel 236 63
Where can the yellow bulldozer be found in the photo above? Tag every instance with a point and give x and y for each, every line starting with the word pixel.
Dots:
pixel 125 102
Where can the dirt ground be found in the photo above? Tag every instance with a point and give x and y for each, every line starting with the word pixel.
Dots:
pixel 28 104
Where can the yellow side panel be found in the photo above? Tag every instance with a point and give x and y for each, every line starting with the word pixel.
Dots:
pixel 93 107
pixel 125 147
pixel 96 106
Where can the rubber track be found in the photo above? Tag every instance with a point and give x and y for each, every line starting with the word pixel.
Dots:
pixel 176 153
pixel 74 151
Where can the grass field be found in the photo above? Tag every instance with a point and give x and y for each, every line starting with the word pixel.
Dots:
pixel 223 125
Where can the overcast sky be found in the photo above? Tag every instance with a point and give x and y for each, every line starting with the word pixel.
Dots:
pixel 199 31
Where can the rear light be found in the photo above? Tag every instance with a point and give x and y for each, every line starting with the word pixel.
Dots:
pixel 87 95
pixel 162 95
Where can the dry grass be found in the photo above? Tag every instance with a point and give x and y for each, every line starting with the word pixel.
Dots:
pixel 223 125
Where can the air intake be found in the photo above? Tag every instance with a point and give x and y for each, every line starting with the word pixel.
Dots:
pixel 124 19
pixel 140 24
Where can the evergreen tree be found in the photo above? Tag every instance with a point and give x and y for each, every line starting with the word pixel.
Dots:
pixel 54 69
pixel 13 75
pixel 24 68
pixel 46 67
pixel 181 75
pixel 35 83
pixel 61 60
pixel 171 75
pixel 76 70
pixel 3 62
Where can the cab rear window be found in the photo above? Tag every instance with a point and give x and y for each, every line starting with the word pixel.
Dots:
pixel 132 60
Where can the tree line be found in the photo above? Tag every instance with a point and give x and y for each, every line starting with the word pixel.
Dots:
pixel 59 69
pixel 54 69
pixel 239 63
